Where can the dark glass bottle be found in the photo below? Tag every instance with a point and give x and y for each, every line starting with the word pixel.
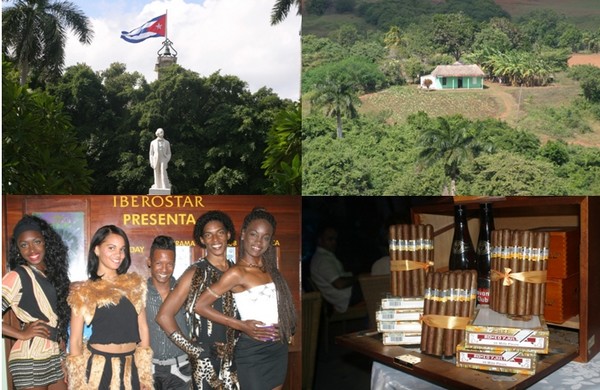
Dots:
pixel 462 254
pixel 484 253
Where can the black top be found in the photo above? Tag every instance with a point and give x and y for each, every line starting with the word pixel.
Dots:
pixel 112 324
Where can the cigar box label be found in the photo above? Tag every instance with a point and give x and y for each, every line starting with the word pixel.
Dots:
pixel 399 326
pixel 522 339
pixel 399 315
pixel 402 303
pixel 506 359
pixel 401 338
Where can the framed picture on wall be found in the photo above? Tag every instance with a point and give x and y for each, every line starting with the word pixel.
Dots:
pixel 71 227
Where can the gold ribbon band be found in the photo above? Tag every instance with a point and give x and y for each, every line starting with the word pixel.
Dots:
pixel 526 276
pixel 445 322
pixel 409 265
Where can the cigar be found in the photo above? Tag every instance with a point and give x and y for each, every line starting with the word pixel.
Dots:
pixel 493 265
pixel 441 310
pixel 393 256
pixel 523 246
pixel 546 245
pixel 414 256
pixel 459 280
pixel 514 264
pixel 505 262
pixel 426 310
pixel 473 294
pixel 421 256
pixel 530 266
pixel 450 311
pixel 431 340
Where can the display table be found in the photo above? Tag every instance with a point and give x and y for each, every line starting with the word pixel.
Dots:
pixel 444 373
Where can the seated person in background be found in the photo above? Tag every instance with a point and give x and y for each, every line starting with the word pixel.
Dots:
pixel 171 367
pixel 338 287
pixel 381 266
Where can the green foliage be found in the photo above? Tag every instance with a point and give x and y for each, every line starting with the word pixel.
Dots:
pixel 520 67
pixel 556 152
pixel 455 33
pixel 362 74
pixel 320 51
pixel 392 69
pixel 346 35
pixel 337 96
pixel 40 154
pixel 343 6
pixel 317 7
pixel 449 140
pixel 508 174
pixel 588 76
pixel 412 69
pixel 282 161
pixel 478 10
pixel 34 34
pixel 543 27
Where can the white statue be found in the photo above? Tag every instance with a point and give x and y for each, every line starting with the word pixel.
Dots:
pixel 160 154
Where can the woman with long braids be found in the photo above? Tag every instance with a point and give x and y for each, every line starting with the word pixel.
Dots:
pixel 118 354
pixel 36 289
pixel 264 301
pixel 210 347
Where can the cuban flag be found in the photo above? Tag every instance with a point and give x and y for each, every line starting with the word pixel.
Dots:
pixel 156 27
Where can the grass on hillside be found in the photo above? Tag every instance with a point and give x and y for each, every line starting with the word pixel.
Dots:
pixel 323 26
pixel 584 13
pixel 401 101
pixel 502 102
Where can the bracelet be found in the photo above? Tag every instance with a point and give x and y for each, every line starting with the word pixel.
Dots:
pixel 214 294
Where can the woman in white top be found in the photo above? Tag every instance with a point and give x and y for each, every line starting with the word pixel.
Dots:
pixel 264 302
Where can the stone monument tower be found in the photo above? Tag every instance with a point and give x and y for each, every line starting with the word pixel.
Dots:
pixel 167 55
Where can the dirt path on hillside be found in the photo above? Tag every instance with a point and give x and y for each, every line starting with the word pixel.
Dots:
pixel 505 99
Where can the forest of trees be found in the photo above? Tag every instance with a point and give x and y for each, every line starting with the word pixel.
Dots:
pixel 78 131
pixel 346 152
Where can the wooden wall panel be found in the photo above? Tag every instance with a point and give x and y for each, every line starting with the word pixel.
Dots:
pixel 145 216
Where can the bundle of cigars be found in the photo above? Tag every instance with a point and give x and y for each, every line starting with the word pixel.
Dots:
pixel 518 272
pixel 450 299
pixel 411 256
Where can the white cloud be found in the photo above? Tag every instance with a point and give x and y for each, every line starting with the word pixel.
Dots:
pixel 233 36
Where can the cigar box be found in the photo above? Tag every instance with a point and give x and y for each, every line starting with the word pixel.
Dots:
pixel 399 315
pixel 401 338
pixel 563 252
pixel 399 326
pixel 496 359
pixel 403 303
pixel 489 329
pixel 562 299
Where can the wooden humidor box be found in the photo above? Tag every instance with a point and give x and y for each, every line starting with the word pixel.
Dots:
pixel 562 299
pixel 563 254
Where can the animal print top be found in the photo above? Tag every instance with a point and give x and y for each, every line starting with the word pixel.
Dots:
pixel 214 367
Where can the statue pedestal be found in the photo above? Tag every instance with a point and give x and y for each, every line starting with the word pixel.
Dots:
pixel 159 191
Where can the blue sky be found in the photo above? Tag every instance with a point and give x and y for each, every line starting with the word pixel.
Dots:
pixel 231 36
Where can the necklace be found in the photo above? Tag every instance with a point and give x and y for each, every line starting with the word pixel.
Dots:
pixel 260 267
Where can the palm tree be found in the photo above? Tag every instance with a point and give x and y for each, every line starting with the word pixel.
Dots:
pixel 449 142
pixel 282 8
pixel 338 98
pixel 34 34
pixel 392 40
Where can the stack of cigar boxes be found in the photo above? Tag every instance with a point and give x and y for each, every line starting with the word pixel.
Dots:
pixel 499 342
pixel 399 320
pixel 562 284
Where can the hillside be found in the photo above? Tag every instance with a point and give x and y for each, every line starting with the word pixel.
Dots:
pixel 585 13
pixel 527 108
